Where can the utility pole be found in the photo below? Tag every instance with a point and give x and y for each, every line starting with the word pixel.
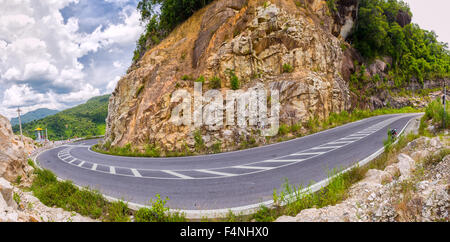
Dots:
pixel 20 124
pixel 46 135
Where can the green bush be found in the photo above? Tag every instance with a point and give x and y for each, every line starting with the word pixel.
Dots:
pixel 287 68
pixel 215 83
pixel 234 80
pixel 158 212
pixel 187 78
pixel 435 113
pixel 200 79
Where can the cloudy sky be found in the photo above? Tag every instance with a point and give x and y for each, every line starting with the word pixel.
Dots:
pixel 59 53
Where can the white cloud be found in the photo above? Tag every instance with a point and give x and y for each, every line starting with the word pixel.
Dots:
pixel 40 55
pixel 28 99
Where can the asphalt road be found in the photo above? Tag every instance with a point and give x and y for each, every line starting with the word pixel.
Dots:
pixel 224 180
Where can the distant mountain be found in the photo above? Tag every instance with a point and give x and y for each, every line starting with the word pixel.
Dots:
pixel 81 121
pixel 34 115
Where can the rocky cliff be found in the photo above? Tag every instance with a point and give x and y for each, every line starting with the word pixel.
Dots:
pixel 17 205
pixel 294 47
pixel 13 152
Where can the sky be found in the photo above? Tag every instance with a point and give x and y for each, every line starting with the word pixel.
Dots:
pixel 59 53
pixel 432 15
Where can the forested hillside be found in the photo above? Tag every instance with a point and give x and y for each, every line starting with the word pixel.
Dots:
pixel 83 120
pixel 33 115
pixel 384 28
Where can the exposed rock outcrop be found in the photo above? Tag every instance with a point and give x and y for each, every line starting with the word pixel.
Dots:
pixel 253 38
pixel 13 152
pixel 16 205
pixel 398 193
pixel 345 17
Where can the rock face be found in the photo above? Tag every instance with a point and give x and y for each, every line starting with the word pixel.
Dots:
pixel 250 37
pixel 396 193
pixel 345 17
pixel 16 205
pixel 13 152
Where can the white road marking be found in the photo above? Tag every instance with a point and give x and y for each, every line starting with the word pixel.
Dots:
pixel 82 163
pixel 358 135
pixel 253 167
pixel 94 167
pixel 216 173
pixel 309 153
pixel 283 161
pixel 112 170
pixel 74 159
pixel 340 142
pixel 326 147
pixel 350 138
pixel 177 174
pixel 136 173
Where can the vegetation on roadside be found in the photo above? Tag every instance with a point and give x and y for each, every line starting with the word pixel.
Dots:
pixel 313 125
pixel 81 121
pixel 436 115
pixel 158 212
pixel 90 203
pixel 67 196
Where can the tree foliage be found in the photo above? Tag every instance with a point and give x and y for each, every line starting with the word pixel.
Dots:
pixel 416 53
pixel 161 17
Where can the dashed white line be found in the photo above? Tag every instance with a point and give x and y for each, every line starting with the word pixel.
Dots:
pixel 326 147
pixel 340 142
pixel 94 167
pixel 82 163
pixel 112 170
pixel 216 173
pixel 283 161
pixel 177 174
pixel 253 167
pixel 309 153
pixel 136 173
pixel 74 159
pixel 350 138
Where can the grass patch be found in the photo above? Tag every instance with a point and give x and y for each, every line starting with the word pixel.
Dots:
pixel 435 114
pixel 67 196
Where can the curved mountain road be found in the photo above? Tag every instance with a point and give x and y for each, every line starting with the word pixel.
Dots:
pixel 224 180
